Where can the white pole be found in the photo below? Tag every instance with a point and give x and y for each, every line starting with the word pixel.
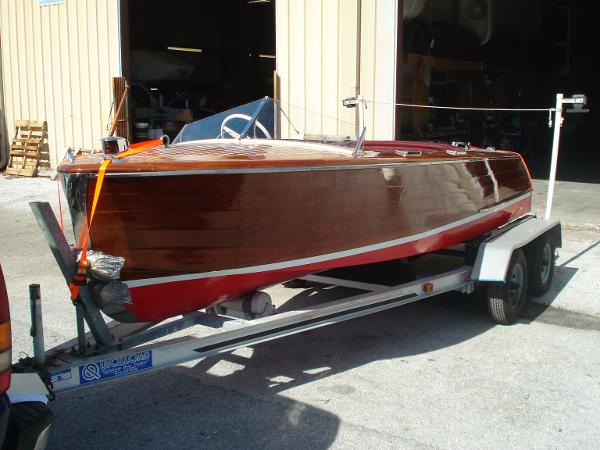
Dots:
pixel 555 144
pixel 361 113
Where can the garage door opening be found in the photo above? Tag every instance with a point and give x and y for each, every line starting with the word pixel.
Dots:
pixel 185 60
pixel 511 54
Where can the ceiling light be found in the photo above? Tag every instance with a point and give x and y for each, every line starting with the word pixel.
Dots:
pixel 185 49
pixel 262 55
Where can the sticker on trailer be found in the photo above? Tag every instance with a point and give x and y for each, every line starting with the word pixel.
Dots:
pixel 115 367
pixel 61 375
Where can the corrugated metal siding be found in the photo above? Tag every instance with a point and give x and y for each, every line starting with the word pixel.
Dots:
pixel 58 62
pixel 316 62
pixel 378 66
pixel 3 130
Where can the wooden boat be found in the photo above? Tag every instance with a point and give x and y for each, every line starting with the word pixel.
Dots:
pixel 204 221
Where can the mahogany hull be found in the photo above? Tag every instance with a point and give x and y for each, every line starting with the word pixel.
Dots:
pixel 193 239
pixel 156 301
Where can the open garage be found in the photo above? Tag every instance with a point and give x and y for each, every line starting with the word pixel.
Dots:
pixel 353 263
pixel 184 60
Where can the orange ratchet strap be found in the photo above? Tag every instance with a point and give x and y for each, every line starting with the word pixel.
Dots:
pixel 139 147
pixel 84 237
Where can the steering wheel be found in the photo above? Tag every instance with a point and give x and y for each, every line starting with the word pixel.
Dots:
pixel 235 134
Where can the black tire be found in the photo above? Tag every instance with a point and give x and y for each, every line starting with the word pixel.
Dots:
pixel 541 256
pixel 507 300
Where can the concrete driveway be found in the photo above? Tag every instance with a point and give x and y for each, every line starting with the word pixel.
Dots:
pixel 438 374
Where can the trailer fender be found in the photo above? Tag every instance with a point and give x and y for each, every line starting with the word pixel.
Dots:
pixel 493 256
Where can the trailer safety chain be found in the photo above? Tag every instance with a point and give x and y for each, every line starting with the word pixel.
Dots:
pixel 84 238
pixel 27 364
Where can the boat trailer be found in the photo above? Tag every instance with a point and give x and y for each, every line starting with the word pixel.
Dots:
pixel 114 350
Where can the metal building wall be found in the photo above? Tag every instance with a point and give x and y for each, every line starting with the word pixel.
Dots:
pixel 57 65
pixel 378 65
pixel 3 130
pixel 317 62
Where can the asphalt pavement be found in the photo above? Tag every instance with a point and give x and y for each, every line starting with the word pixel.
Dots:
pixel 435 374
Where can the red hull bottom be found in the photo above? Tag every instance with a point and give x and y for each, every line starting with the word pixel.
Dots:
pixel 156 299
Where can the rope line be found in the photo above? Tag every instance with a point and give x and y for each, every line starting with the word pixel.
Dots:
pixel 463 108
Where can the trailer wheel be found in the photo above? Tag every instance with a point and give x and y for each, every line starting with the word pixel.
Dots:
pixel 507 300
pixel 542 254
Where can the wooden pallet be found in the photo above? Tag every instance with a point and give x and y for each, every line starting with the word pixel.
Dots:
pixel 28 150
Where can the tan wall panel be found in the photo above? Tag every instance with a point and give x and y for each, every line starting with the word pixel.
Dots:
pixel 378 66
pixel 3 130
pixel 314 56
pixel 316 61
pixel 330 66
pixel 58 62
pixel 347 31
pixel 297 67
pixel 283 58
pixel 316 46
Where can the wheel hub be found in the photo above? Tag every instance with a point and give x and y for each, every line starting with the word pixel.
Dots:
pixel 546 262
pixel 515 287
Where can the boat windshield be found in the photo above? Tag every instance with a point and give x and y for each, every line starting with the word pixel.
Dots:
pixel 271 119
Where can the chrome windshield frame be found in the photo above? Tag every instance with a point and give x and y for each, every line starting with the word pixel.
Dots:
pixel 259 109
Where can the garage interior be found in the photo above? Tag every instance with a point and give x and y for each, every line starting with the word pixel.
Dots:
pixel 503 54
pixel 186 59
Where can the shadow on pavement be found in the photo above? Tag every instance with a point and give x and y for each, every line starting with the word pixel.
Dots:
pixel 167 409
pixel 581 253
pixel 235 400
